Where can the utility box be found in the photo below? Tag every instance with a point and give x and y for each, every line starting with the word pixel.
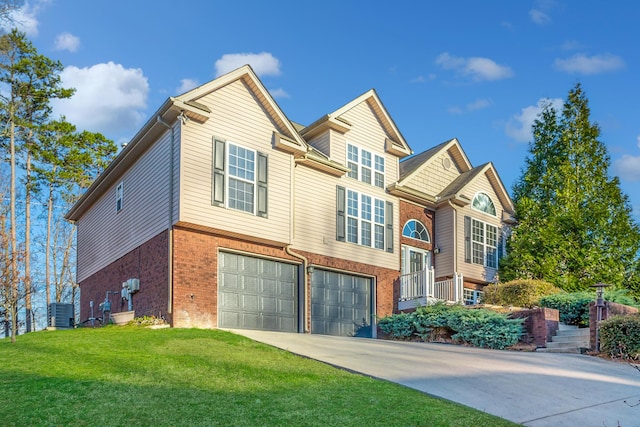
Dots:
pixel 60 316
pixel 133 285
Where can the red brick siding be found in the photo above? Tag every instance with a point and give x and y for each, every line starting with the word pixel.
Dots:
pixel 148 263
pixel 540 325
pixel 386 293
pixel 195 274
pixel 425 216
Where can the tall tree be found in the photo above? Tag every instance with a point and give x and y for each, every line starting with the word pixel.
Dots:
pixel 34 81
pixel 68 162
pixel 575 226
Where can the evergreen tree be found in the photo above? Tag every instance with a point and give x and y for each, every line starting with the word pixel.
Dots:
pixel 575 227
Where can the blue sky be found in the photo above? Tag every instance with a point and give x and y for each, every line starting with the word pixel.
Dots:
pixel 474 70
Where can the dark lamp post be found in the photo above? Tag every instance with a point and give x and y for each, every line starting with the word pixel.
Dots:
pixel 599 306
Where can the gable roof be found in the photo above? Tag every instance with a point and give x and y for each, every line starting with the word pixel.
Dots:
pixel 289 139
pixel 454 190
pixel 395 144
pixel 416 163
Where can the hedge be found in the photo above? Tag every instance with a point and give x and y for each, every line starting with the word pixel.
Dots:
pixel 518 293
pixel 620 336
pixel 478 327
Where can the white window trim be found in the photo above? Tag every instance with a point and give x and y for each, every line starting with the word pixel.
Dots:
pixel 372 168
pixel 484 244
pixel 479 210
pixel 229 176
pixel 425 229
pixel 360 220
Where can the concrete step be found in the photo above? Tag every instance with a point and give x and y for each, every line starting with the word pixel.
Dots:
pixel 568 339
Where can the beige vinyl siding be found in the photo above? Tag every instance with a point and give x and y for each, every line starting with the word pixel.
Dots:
pixel 105 235
pixel 237 118
pixel 480 184
pixel 444 239
pixel 366 133
pixel 322 142
pixel 434 177
pixel 315 221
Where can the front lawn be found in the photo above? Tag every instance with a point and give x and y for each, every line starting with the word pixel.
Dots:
pixel 132 376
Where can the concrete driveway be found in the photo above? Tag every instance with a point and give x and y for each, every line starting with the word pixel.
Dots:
pixel 534 389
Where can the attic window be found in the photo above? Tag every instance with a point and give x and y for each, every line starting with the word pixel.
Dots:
pixel 483 203
pixel 365 166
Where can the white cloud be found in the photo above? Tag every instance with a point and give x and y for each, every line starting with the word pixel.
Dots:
pixel 279 93
pixel 539 17
pixel 627 168
pixel 24 18
pixel 475 67
pixel 109 98
pixel 67 41
pixel 478 104
pixel 519 126
pixel 186 85
pixel 583 64
pixel 264 63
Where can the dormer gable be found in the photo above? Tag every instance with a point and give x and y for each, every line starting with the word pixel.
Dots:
pixel 287 139
pixel 394 142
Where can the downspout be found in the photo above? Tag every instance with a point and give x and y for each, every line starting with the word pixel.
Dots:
pixel 170 217
pixel 305 282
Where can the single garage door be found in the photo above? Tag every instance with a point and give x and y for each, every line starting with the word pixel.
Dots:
pixel 256 293
pixel 340 304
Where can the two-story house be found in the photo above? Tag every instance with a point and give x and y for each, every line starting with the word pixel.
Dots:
pixel 227 214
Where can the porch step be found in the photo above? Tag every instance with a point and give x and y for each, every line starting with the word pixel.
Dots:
pixel 568 339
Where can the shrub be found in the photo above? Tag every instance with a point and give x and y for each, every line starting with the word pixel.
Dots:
pixel 573 307
pixel 398 326
pixel 518 293
pixel 485 328
pixel 432 322
pixel 620 336
pixel 478 327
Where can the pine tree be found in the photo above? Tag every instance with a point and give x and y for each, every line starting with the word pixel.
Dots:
pixel 575 226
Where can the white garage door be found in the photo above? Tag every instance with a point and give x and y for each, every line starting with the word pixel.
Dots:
pixel 340 304
pixel 256 293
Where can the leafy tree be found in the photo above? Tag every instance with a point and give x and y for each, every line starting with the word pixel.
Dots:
pixel 575 227
pixel 33 80
pixel 68 163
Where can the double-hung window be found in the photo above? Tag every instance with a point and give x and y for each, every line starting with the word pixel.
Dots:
pixel 365 166
pixel 239 178
pixel 364 220
pixel 481 243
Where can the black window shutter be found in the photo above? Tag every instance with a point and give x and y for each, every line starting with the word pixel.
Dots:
pixel 340 213
pixel 388 218
pixel 218 182
pixel 467 239
pixel 262 185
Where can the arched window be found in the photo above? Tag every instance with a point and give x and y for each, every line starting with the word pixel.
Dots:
pixel 483 203
pixel 416 230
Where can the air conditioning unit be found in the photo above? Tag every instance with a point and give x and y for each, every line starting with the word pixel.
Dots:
pixel 60 316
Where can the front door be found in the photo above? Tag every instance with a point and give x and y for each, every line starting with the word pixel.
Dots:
pixel 414 259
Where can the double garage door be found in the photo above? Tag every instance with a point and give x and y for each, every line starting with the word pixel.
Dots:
pixel 257 293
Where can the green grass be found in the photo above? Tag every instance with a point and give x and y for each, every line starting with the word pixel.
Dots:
pixel 131 376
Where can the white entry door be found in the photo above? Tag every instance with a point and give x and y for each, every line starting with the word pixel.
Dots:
pixel 414 259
